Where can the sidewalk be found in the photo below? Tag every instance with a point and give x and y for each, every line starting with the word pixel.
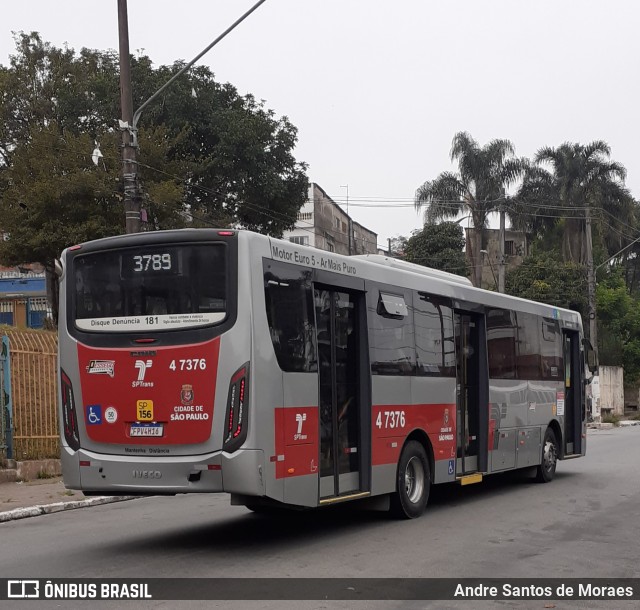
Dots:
pixel 44 496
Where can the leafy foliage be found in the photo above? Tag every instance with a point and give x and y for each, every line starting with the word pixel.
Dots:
pixel 478 188
pixel 547 278
pixel 619 326
pixel 438 246
pixel 54 198
pixel 205 151
pixel 239 155
pixel 581 177
pixel 398 245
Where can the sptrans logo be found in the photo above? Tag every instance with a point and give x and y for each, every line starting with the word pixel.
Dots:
pixel 300 418
pixel 142 366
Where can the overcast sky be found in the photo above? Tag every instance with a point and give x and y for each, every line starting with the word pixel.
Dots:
pixel 378 88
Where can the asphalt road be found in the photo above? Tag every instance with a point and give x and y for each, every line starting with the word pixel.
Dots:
pixel 582 525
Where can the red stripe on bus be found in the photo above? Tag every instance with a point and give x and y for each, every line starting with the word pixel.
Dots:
pixel 391 424
pixel 296 430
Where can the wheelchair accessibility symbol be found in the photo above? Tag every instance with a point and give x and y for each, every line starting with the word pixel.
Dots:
pixel 451 467
pixel 94 414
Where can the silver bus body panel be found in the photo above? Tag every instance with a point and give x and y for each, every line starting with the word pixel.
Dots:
pixel 521 410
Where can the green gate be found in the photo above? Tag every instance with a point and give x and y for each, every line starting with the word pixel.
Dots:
pixel 6 412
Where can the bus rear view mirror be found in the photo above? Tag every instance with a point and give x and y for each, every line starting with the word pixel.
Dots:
pixel 592 360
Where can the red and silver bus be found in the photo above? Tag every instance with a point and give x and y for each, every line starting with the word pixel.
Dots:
pixel 202 360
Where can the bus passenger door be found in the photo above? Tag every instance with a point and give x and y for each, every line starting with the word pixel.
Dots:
pixel 573 405
pixel 341 356
pixel 472 392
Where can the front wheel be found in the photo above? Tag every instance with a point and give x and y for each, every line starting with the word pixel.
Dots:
pixel 413 482
pixel 547 469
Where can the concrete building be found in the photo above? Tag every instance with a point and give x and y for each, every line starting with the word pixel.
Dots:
pixel 23 296
pixel 323 224
pixel 516 247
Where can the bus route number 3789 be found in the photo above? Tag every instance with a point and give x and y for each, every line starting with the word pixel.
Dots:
pixel 390 419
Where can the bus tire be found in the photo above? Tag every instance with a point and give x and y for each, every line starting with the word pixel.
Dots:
pixel 413 481
pixel 547 468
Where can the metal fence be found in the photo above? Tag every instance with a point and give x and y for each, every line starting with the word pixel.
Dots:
pixel 34 393
pixel 6 447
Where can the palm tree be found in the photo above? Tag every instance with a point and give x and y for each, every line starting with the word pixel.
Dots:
pixel 478 188
pixel 581 180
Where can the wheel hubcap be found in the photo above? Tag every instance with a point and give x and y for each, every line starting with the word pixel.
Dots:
pixel 550 456
pixel 414 480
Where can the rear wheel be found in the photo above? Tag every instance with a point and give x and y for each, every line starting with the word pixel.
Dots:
pixel 413 482
pixel 547 469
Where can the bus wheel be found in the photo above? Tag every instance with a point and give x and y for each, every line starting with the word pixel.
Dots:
pixel 547 469
pixel 412 482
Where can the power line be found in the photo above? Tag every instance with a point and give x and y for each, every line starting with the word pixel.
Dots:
pixel 551 205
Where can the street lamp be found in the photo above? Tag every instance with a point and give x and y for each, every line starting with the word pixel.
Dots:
pixel 129 122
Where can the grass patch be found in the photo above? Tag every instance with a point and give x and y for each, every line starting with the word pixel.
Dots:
pixel 43 474
pixel 611 418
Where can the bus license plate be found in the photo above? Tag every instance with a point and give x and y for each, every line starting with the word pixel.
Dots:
pixel 146 430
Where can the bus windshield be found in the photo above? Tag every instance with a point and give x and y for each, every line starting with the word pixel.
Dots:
pixel 164 287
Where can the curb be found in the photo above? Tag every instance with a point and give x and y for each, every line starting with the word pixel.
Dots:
pixel 47 509
pixel 623 423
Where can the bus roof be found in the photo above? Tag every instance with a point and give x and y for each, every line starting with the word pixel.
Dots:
pixel 420 269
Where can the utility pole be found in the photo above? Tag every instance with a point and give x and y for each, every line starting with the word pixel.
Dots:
pixel 129 162
pixel 349 226
pixel 501 261
pixel 129 122
pixel 389 240
pixel 591 283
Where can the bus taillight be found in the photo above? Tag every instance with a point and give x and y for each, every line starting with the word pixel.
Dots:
pixel 235 432
pixel 69 415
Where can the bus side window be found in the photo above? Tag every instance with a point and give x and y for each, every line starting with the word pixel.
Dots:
pixel 391 333
pixel 528 359
pixel 290 315
pixel 435 349
pixel 551 349
pixel 502 330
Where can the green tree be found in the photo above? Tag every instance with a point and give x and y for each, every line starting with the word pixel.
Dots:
pixel 231 156
pixel 398 245
pixel 555 200
pixel 479 187
pixel 53 199
pixel 547 278
pixel 239 155
pixel 439 246
pixel 619 326
pixel 207 155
